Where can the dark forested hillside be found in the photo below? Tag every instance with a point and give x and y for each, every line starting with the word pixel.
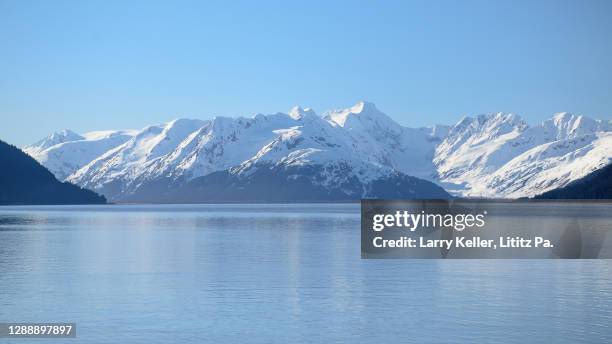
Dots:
pixel 268 183
pixel 24 181
pixel 597 185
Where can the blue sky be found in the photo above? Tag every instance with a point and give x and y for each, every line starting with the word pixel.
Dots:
pixel 88 65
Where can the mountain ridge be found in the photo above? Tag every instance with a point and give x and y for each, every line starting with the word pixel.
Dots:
pixel 494 155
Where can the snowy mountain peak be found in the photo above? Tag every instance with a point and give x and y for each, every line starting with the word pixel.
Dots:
pixel 57 137
pixel 360 116
pixel 484 127
pixel 298 113
pixel 487 126
pixel 499 119
pixel 181 127
pixel 569 122
pixel 364 107
pixel 562 117
pixel 65 152
pixel 565 125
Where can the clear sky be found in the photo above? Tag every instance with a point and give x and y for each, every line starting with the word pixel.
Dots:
pixel 89 65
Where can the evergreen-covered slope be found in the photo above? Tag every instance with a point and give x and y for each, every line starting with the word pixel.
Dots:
pixel 597 185
pixel 24 181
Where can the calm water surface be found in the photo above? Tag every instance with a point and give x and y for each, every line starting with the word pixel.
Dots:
pixel 275 274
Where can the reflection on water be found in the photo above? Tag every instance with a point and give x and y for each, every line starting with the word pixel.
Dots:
pixel 276 274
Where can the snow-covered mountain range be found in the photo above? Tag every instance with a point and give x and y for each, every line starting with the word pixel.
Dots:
pixel 348 151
